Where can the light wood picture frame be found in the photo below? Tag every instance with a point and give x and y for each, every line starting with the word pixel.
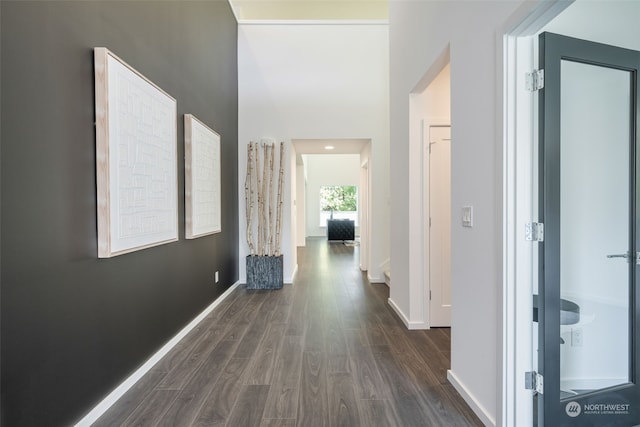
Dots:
pixel 203 213
pixel 136 159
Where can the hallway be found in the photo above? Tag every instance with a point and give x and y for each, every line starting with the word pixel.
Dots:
pixel 325 351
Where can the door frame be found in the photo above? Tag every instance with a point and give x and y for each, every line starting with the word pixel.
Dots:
pixel 515 48
pixel 417 317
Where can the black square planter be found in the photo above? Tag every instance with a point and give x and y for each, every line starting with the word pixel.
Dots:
pixel 264 272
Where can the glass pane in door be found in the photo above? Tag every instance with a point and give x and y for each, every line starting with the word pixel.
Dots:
pixel 595 248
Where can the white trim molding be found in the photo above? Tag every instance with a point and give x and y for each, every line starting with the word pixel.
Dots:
pixel 411 325
pixel 119 391
pixel 379 278
pixel 375 279
pixel 290 280
pixel 516 109
pixel 473 403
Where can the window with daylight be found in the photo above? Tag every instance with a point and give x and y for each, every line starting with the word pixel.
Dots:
pixel 338 202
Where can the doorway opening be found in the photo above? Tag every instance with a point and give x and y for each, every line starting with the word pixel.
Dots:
pixel 430 197
pixel 325 164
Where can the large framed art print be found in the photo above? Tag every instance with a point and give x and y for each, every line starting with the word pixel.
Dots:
pixel 136 159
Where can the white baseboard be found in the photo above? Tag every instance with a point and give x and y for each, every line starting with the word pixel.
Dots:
pixel 414 326
pixel 375 279
pixel 476 407
pixel 119 391
pixel 289 280
pixel 408 323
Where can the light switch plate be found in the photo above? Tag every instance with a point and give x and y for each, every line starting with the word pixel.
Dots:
pixel 467 216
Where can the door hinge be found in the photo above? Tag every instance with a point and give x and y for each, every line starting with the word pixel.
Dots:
pixel 429 294
pixel 534 381
pixel 534 80
pixel 534 232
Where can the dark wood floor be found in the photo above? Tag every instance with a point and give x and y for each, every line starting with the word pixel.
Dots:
pixel 326 351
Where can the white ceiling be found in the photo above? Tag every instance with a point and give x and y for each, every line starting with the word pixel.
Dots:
pixel 310 10
pixel 317 146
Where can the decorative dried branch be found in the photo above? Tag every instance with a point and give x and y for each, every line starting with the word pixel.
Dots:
pixel 280 201
pixel 248 197
pixel 255 183
pixel 265 200
pixel 272 149
pixel 260 196
pixel 260 191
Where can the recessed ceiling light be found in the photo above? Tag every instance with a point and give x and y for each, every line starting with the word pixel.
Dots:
pixel 329 147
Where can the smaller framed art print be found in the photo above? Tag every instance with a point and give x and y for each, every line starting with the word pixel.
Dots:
pixel 202 179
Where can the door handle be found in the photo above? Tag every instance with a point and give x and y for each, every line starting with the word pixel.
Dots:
pixel 627 256
pixel 619 255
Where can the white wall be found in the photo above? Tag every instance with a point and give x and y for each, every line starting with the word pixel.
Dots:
pixel 301 214
pixel 419 33
pixel 327 169
pixel 317 81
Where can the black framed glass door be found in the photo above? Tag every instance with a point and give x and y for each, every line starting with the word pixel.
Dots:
pixel 588 316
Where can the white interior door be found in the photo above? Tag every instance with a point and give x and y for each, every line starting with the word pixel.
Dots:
pixel 364 216
pixel 440 226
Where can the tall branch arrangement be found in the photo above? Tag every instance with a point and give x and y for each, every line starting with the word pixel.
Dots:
pixel 264 226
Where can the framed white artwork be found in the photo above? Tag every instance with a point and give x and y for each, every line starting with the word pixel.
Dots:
pixel 136 159
pixel 202 179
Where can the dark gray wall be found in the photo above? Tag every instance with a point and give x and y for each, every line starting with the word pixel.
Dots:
pixel 74 326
